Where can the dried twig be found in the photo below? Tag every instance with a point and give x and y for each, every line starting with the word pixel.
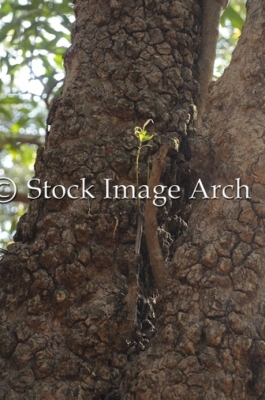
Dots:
pixel 154 250
pixel 20 197
pixel 140 222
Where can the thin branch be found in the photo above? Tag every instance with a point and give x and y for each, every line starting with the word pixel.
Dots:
pixel 153 246
pixel 211 18
pixel 20 197
pixel 48 91
pixel 140 222
pixel 22 139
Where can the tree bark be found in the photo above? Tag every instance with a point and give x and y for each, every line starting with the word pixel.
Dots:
pixel 210 336
pixel 76 301
pixel 79 318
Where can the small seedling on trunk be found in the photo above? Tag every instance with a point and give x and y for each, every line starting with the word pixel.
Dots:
pixel 143 137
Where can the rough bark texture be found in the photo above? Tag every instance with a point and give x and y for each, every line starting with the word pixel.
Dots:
pixel 76 302
pixel 210 336
pixel 77 317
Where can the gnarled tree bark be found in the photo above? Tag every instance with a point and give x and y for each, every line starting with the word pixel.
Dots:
pixel 77 305
pixel 210 336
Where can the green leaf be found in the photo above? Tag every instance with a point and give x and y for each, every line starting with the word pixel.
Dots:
pixel 233 16
pixel 147 138
pixel 11 100
pixel 142 135
pixel 5 112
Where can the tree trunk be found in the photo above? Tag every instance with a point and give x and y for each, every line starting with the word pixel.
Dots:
pixel 210 337
pixel 80 314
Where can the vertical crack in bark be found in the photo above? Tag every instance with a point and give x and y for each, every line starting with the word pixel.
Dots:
pixel 153 246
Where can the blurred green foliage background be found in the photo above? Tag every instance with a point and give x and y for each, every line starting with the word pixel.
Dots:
pixel 34 35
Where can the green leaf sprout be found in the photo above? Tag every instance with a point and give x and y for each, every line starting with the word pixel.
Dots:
pixel 143 137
